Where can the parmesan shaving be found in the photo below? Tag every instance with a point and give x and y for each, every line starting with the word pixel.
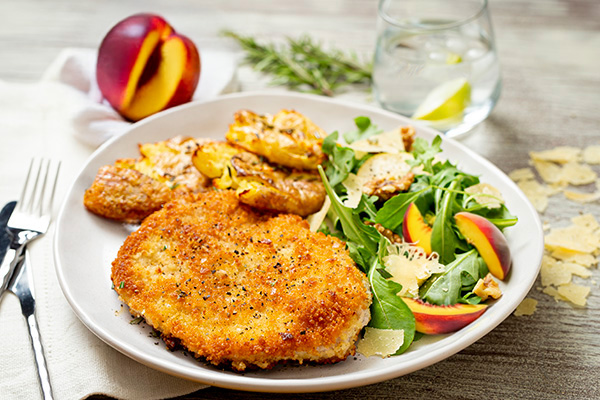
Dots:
pixel 582 197
pixel 380 342
pixel 561 154
pixel 486 195
pixel 527 307
pixel 573 238
pixel 591 154
pixel 353 187
pixel 536 193
pixel 315 220
pixel 553 272
pixel 576 294
pixel 549 172
pixel 521 174
pixel 410 266
pixel 583 259
pixel 577 174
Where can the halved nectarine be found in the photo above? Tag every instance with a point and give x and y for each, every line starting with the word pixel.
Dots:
pixel 433 319
pixel 144 66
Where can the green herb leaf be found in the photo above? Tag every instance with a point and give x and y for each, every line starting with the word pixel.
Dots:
pixel 354 229
pixel 365 129
pixel 391 214
pixel 424 152
pixel 388 310
pixel 445 288
pixel 341 160
pixel 443 236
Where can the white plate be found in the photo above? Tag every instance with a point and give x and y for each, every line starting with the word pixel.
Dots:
pixel 85 245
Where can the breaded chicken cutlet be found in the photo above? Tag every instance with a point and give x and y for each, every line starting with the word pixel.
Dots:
pixel 240 288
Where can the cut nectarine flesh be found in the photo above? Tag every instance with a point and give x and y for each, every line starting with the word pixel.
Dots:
pixel 433 319
pixel 159 89
pixel 415 230
pixel 488 240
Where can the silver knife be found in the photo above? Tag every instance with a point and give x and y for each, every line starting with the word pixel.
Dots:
pixel 5 245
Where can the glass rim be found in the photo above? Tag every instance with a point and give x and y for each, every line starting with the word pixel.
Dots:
pixel 393 21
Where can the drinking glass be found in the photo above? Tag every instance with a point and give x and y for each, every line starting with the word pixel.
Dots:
pixel 435 61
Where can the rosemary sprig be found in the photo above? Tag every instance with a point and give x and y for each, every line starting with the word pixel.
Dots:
pixel 303 64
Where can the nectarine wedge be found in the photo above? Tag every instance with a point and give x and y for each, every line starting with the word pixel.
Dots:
pixel 433 319
pixel 488 240
pixel 415 229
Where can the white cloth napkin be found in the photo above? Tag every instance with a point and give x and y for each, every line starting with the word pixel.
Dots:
pixel 62 117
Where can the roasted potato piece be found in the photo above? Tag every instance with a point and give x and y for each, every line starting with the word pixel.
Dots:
pixel 258 183
pixel 287 138
pixel 211 158
pixel 170 162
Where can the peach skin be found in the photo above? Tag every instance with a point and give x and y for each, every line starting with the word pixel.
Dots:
pixel 415 229
pixel 433 319
pixel 488 240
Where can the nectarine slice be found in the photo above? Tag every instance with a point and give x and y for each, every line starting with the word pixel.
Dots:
pixel 415 230
pixel 488 240
pixel 433 319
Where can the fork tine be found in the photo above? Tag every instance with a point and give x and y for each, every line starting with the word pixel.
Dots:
pixel 40 203
pixel 51 200
pixel 21 202
pixel 30 203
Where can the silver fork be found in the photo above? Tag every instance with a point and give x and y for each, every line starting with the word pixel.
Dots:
pixel 30 220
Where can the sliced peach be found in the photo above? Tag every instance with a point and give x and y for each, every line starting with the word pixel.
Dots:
pixel 433 319
pixel 415 229
pixel 144 66
pixel 488 240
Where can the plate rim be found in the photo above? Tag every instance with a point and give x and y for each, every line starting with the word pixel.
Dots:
pixel 337 382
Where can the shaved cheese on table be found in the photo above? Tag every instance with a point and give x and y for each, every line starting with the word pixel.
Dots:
pixel 591 154
pixel 561 154
pixel 521 174
pixel 527 307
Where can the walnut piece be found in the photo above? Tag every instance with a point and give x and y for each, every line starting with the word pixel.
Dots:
pixel 487 287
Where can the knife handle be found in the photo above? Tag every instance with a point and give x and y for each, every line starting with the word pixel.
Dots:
pixel 40 359
pixel 7 269
pixel 22 286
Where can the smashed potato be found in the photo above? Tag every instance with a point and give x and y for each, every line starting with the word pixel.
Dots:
pixel 258 183
pixel 287 138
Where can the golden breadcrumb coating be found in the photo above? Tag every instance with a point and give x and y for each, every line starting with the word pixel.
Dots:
pixel 241 288
pixel 132 189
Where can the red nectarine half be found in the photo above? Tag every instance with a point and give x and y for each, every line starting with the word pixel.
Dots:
pixel 144 66
pixel 433 319
pixel 415 229
pixel 489 241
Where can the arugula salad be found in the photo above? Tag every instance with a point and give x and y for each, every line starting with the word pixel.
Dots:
pixel 456 218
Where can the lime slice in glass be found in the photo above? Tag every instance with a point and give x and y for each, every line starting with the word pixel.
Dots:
pixel 448 100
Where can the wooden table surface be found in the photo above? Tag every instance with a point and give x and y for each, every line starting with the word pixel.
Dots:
pixel 550 56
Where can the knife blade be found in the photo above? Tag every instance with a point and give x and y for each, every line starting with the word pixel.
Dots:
pixel 5 240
